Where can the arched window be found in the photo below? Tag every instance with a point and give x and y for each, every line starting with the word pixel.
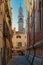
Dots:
pixel 19 44
pixel 21 20
pixel 18 36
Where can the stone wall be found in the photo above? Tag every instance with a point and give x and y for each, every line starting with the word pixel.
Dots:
pixel 38 51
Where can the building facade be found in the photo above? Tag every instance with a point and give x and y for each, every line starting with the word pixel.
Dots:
pixel 29 7
pixel 20 41
pixel 19 36
pixel 5 31
pixel 1 34
pixel 35 27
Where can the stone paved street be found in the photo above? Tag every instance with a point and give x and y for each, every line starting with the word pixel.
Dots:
pixel 20 60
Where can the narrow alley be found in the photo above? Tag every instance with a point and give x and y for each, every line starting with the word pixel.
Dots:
pixel 19 60
pixel 21 32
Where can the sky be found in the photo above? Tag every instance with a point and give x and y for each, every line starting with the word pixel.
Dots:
pixel 15 4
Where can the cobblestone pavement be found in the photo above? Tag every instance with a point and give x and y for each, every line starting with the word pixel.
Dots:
pixel 20 60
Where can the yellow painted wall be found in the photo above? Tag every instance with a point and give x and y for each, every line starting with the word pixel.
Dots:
pixel 22 39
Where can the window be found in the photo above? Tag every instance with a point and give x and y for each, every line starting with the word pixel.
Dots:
pixel 25 43
pixel 19 44
pixel 25 36
pixel 18 36
pixel 21 20
pixel 6 10
pixel 0 11
pixel 9 22
pixel 0 25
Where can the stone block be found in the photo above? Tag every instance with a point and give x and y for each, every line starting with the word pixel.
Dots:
pixel 30 58
pixel 37 61
pixel 42 62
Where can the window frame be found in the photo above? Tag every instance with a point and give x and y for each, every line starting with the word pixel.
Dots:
pixel 19 44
